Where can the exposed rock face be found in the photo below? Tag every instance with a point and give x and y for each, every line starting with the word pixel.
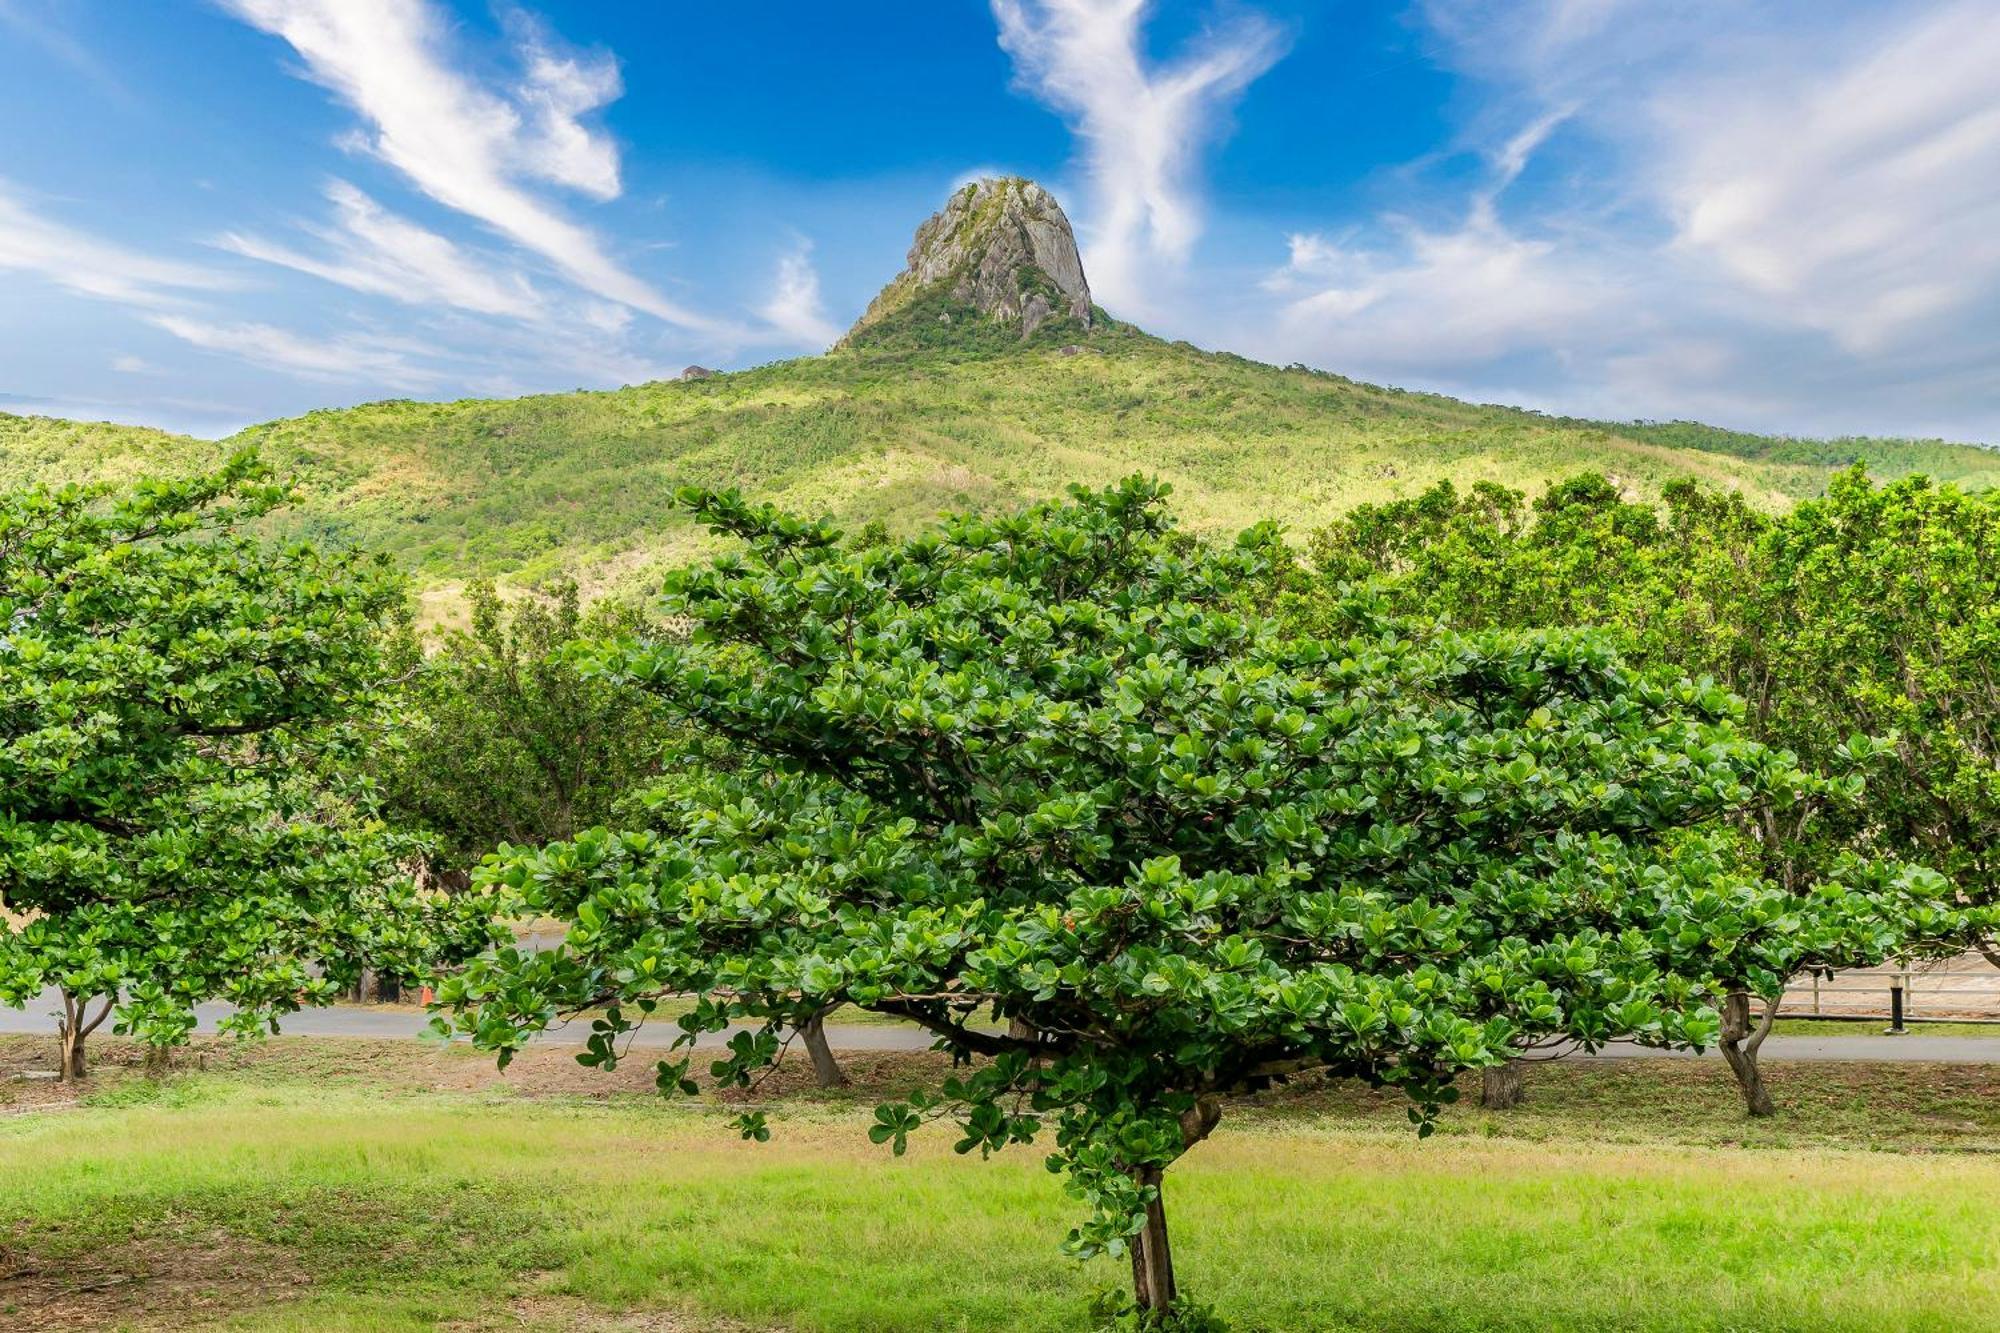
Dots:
pixel 1001 247
pixel 696 373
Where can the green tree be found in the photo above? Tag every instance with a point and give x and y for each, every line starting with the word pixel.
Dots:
pixel 1884 604
pixel 1860 628
pixel 499 737
pixel 1046 765
pixel 176 824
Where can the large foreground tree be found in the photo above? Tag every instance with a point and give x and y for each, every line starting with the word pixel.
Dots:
pixel 176 823
pixel 1045 768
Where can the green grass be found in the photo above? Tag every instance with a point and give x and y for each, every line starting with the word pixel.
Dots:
pixel 582 482
pixel 1873 1027
pixel 345 1193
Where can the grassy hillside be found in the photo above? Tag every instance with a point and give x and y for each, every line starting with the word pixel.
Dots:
pixel 528 487
pixel 49 450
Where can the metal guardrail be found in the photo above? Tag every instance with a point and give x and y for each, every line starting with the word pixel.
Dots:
pixel 1963 989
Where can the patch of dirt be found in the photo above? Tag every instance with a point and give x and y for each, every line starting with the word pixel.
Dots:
pixel 149 1284
pixel 29 1065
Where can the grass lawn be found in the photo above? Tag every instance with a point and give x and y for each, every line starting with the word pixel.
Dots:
pixel 352 1185
pixel 1874 1027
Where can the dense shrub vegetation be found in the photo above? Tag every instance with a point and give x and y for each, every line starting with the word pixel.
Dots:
pixel 495 734
pixel 958 416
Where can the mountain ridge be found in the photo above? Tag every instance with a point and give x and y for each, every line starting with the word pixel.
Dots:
pixel 916 416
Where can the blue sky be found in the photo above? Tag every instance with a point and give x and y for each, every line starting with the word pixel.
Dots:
pixel 1780 216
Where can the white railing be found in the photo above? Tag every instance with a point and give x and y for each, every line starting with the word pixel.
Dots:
pixel 1965 987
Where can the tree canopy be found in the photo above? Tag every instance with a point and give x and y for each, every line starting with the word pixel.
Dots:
pixel 1052 769
pixel 1860 628
pixel 1871 612
pixel 497 734
pixel 175 695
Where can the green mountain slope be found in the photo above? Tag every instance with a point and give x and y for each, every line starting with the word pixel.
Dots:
pixel 983 376
pixel 582 482
pixel 47 449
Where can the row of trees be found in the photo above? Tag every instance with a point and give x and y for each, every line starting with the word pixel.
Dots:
pixel 1187 818
pixel 1861 630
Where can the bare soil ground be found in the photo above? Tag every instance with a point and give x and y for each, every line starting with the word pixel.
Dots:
pixel 147 1284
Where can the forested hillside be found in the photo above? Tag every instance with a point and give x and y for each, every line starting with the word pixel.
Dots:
pixel 524 488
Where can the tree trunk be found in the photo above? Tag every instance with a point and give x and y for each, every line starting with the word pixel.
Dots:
pixel 74 1069
pixel 1500 1086
pixel 73 1029
pixel 159 1060
pixel 826 1070
pixel 1152 1257
pixel 1740 1045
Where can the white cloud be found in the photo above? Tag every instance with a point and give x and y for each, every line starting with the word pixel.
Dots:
pixel 467 146
pixel 1859 197
pixel 1141 124
pixel 376 251
pixel 794 308
pixel 133 365
pixel 88 265
pixel 376 360
pixel 1788 218
pixel 560 88
pixel 1442 301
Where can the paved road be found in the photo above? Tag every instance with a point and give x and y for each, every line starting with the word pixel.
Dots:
pixel 396 1021
pixel 367 1020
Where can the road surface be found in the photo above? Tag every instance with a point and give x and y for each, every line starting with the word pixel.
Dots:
pixel 403 1021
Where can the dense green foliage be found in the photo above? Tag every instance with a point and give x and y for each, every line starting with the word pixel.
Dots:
pixel 494 734
pixel 1862 628
pixel 1873 612
pixel 53 452
pixel 1053 764
pixel 579 485
pixel 174 707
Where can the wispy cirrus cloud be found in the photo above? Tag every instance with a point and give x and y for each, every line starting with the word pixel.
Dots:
pixel 1141 124
pixel 1776 222
pixel 81 261
pixel 372 359
pixel 1860 197
pixel 794 308
pixel 471 147
pixel 1407 298
pixel 370 249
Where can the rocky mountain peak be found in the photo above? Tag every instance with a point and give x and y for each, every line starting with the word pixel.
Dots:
pixel 1000 249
